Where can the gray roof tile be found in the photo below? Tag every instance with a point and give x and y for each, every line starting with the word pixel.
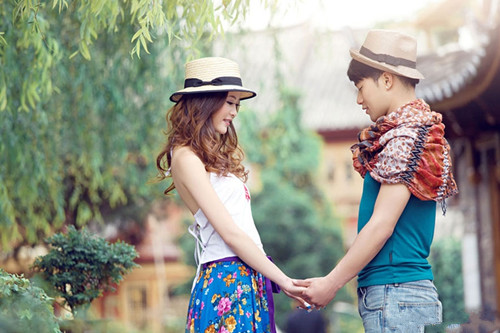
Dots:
pixel 313 63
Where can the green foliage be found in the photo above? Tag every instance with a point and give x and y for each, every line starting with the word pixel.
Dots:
pixel 80 112
pixel 351 324
pixel 81 266
pixel 446 260
pixel 31 31
pixel 292 214
pixel 24 307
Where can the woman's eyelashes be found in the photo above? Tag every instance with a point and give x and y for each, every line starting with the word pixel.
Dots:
pixel 233 103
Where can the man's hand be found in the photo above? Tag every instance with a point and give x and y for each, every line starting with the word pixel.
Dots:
pixel 319 291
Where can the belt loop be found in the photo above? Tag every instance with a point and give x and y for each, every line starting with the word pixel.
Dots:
pixel 396 285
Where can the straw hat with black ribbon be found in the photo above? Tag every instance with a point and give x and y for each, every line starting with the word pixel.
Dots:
pixel 212 74
pixel 389 51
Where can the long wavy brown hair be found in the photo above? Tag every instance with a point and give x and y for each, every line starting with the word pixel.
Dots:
pixel 189 123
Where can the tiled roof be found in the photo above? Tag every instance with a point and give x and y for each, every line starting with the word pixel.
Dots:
pixel 313 63
pixel 448 73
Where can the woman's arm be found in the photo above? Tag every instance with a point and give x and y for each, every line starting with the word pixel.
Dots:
pixel 390 203
pixel 189 173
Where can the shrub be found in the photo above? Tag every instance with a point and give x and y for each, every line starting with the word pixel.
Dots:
pixel 24 307
pixel 81 266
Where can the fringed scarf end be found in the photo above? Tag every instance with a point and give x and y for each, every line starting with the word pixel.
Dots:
pixel 443 206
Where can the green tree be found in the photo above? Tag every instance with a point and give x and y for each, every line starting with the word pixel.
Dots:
pixel 446 260
pixel 293 215
pixel 24 307
pixel 80 112
pixel 80 266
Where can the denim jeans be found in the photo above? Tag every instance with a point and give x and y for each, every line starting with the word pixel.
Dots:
pixel 399 307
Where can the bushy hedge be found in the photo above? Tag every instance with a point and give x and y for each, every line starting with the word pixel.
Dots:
pixel 24 307
pixel 81 266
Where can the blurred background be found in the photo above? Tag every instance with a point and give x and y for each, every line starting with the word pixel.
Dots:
pixel 84 89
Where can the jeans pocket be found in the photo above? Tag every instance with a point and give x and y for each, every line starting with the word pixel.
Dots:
pixel 421 313
pixel 416 304
pixel 370 306
pixel 372 298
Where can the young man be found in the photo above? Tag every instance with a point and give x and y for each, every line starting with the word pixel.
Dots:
pixel 405 162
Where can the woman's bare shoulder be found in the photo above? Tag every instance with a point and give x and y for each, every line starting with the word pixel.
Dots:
pixel 182 151
pixel 185 157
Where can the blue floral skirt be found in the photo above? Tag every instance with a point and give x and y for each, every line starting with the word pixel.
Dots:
pixel 229 296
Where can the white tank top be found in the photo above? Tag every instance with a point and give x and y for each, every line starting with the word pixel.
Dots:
pixel 236 198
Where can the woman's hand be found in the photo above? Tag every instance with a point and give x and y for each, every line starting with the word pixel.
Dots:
pixel 295 292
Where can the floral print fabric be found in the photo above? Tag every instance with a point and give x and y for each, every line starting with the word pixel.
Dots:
pixel 229 296
pixel 408 146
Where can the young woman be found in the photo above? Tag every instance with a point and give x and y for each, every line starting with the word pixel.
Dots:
pixel 232 290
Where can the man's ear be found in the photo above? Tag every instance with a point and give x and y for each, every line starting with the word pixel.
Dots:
pixel 387 79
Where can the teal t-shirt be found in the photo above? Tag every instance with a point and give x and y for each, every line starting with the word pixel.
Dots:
pixel 404 256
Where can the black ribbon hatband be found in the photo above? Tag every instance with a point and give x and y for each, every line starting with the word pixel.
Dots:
pixel 218 81
pixel 388 59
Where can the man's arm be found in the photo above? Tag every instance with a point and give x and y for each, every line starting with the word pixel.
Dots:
pixel 390 203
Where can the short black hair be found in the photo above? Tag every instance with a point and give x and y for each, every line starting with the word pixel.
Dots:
pixel 358 71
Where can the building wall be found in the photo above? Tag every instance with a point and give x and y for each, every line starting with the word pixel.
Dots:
pixel 142 301
pixel 478 177
pixel 341 183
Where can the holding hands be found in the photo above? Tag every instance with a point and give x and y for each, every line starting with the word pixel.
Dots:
pixel 295 291
pixel 318 292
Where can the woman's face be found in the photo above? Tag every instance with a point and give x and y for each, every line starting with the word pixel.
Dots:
pixel 222 118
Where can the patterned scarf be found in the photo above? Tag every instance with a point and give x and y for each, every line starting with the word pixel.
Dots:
pixel 408 146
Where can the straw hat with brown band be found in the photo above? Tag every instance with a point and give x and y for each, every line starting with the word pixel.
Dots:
pixel 389 51
pixel 212 74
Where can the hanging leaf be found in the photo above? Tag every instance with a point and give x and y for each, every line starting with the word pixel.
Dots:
pixel 74 105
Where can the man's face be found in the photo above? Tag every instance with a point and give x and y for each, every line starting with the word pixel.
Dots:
pixel 372 97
